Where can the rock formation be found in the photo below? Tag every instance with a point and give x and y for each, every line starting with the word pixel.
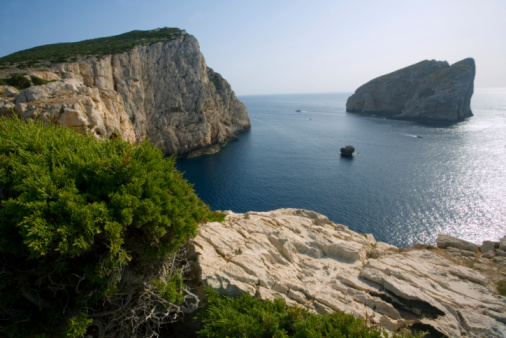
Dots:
pixel 163 92
pixel 430 91
pixel 347 151
pixel 303 258
pixel 70 103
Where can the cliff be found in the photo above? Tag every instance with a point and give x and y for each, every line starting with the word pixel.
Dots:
pixel 303 258
pixel 161 91
pixel 430 91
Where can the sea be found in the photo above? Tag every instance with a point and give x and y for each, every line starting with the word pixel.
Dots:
pixel 406 183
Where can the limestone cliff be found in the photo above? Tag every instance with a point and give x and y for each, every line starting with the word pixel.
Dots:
pixel 303 258
pixel 427 91
pixel 161 91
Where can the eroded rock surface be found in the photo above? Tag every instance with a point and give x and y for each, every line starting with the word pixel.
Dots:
pixel 163 92
pixel 426 91
pixel 70 103
pixel 302 257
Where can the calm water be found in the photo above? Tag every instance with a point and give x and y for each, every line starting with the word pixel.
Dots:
pixel 401 188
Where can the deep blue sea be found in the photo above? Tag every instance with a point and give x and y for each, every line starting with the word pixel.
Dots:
pixel 401 188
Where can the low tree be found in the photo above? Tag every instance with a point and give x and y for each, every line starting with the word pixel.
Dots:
pixel 87 227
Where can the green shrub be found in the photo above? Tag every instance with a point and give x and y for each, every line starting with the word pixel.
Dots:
pixel 77 325
pixel 501 287
pixel 170 290
pixel 37 81
pixel 247 316
pixel 18 80
pixel 74 211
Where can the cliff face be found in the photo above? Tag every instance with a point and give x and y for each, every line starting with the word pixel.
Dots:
pixel 163 92
pixel 426 91
pixel 303 258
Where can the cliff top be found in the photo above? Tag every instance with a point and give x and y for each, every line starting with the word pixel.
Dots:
pixel 63 52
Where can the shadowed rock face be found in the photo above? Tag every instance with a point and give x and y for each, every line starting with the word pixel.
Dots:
pixel 430 91
pixel 347 151
pixel 163 92
pixel 305 259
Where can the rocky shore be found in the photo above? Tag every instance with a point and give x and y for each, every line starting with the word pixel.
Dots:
pixel 451 289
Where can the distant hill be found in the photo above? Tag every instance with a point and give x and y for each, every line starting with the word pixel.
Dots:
pixel 63 52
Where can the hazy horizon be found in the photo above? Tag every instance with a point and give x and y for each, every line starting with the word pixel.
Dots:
pixel 286 47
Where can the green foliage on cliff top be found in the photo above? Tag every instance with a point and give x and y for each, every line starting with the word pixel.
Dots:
pixel 247 316
pixel 74 210
pixel 62 52
pixel 17 80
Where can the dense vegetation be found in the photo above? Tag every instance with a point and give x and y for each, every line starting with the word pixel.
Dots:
pixel 20 81
pixel 247 316
pixel 78 218
pixel 63 52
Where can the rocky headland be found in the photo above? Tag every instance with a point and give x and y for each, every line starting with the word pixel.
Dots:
pixel 302 257
pixel 161 91
pixel 429 91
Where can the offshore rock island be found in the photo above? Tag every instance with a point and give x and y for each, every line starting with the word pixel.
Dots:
pixel 429 91
pixel 157 90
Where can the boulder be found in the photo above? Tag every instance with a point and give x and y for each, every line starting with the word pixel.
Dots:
pixel 303 258
pixel 347 151
pixel 430 91
pixel 446 241
pixel 502 243
pixel 488 249
pixel 10 91
pixel 70 103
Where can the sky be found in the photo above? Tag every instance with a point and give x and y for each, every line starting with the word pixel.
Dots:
pixel 279 46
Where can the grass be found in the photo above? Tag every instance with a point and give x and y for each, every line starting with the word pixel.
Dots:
pixel 65 52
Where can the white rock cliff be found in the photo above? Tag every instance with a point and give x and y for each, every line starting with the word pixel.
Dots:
pixel 303 258
pixel 163 92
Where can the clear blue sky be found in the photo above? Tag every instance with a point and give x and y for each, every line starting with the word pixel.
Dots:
pixel 271 47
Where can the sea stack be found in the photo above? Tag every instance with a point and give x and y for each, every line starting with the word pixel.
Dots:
pixel 347 151
pixel 429 91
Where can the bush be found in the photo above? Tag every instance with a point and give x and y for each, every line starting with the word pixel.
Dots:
pixel 251 317
pixel 75 211
pixel 501 288
pixel 37 81
pixel 18 80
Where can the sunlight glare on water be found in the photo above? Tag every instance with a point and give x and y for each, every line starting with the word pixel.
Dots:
pixel 407 183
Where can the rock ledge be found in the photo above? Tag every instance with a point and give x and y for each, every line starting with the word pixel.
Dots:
pixel 303 258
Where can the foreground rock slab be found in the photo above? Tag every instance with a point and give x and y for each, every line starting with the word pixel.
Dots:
pixel 303 258
pixel 430 91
